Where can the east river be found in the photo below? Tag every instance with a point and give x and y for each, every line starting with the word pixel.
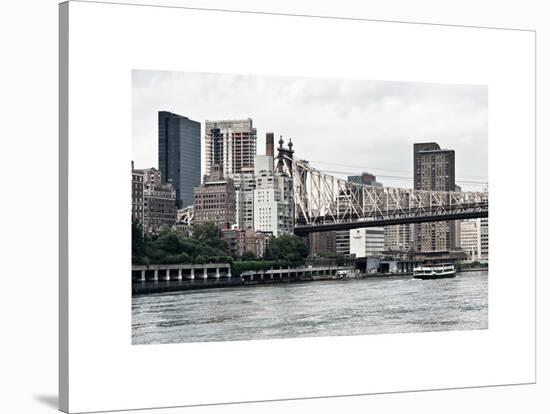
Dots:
pixel 324 308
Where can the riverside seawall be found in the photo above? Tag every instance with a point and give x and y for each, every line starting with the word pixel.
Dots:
pixel 274 276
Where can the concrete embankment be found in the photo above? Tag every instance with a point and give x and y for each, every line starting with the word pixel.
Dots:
pixel 139 288
pixel 256 279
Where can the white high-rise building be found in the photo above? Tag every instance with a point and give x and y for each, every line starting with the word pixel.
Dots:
pixel 470 239
pixel 366 241
pixel 273 198
pixel 484 236
pixel 474 238
pixel 245 183
pixel 230 144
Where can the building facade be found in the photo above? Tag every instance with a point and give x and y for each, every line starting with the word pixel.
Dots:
pixel 245 183
pixel 241 241
pixel 322 243
pixel 269 144
pixel 342 242
pixel 137 196
pixel 366 241
pixel 474 238
pixel 399 238
pixel 470 239
pixel 434 169
pixel 159 202
pixel 230 144
pixel 484 238
pixel 273 199
pixel 179 144
pixel 364 179
pixel 256 242
pixel 215 201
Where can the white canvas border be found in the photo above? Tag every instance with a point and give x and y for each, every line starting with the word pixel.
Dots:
pixel 99 108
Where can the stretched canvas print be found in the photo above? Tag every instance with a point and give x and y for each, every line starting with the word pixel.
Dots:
pixel 261 207
pixel 279 207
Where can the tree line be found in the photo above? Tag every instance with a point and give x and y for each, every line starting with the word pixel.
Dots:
pixel 205 245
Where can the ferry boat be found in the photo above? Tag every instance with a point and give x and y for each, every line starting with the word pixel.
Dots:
pixel 434 271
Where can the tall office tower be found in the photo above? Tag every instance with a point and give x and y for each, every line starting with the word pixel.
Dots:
pixel 180 155
pixel 231 144
pixel 434 169
pixel 273 199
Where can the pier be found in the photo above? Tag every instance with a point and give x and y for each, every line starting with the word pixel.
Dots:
pixel 175 272
pixel 175 277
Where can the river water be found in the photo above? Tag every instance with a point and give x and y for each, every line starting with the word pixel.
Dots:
pixel 324 308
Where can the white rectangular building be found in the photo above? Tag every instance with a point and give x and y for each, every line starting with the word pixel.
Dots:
pixel 245 183
pixel 273 198
pixel 366 241
pixel 474 238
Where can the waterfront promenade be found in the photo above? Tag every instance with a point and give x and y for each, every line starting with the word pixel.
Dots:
pixel 169 278
pixel 172 278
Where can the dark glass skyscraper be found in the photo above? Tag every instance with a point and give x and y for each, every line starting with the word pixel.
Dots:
pixel 180 155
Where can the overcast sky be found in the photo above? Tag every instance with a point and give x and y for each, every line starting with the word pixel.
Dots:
pixel 340 125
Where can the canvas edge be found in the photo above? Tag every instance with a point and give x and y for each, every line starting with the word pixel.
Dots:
pixel 63 207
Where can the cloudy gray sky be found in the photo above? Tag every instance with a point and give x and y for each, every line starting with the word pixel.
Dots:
pixel 339 125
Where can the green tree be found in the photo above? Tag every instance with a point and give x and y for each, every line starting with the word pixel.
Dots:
pixel 247 256
pixel 170 246
pixel 287 247
pixel 209 234
pixel 138 242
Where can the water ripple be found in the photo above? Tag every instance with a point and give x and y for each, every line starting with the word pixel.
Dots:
pixel 330 308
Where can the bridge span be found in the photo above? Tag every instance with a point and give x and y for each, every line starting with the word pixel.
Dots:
pixel 323 202
pixel 305 229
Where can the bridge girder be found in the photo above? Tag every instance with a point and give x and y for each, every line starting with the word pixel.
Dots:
pixel 324 199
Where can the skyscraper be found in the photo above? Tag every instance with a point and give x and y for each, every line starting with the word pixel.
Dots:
pixel 180 155
pixel 230 144
pixel 434 169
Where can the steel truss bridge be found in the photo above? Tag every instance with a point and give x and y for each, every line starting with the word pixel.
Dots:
pixel 323 202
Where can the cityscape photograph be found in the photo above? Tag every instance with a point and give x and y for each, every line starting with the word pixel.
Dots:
pixel 268 207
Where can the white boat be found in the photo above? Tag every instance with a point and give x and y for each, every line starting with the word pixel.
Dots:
pixel 341 274
pixel 434 271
